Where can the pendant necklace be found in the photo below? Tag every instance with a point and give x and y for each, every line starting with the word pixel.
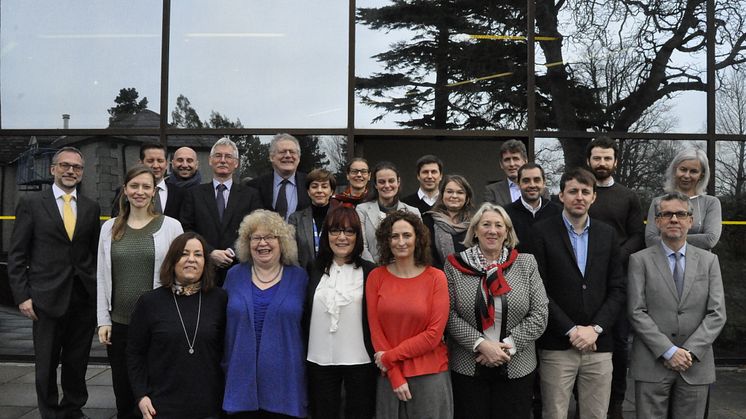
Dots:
pixel 196 327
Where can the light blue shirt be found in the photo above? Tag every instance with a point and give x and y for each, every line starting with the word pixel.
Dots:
pixel 579 242
pixel 515 191
pixel 226 193
pixel 682 265
pixel 291 192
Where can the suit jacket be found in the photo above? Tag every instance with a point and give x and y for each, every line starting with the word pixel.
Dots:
pixel 200 214
pixel 43 262
pixel 173 203
pixel 498 193
pixel 526 320
pixel 414 200
pixel 303 222
pixel 265 187
pixel 575 299
pixel 370 218
pixel 660 319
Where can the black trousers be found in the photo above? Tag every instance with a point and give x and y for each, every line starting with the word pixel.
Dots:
pixel 117 352
pixel 325 390
pixel 496 398
pixel 64 340
pixel 619 359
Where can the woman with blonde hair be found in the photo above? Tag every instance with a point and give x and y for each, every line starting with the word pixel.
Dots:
pixel 264 341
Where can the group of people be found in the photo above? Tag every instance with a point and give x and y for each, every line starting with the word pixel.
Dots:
pixel 285 296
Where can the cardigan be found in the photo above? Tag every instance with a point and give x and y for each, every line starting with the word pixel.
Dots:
pixel 527 316
pixel 370 219
pixel 271 377
pixel 707 226
pixel 407 318
pixel 162 239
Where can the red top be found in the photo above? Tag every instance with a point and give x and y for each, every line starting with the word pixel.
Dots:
pixel 407 317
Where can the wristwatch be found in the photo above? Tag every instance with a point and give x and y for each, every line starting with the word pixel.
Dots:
pixel 598 329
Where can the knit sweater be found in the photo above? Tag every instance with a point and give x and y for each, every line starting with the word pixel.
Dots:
pixel 619 206
pixel 407 318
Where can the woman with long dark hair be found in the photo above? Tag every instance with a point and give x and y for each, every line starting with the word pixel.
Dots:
pixel 449 218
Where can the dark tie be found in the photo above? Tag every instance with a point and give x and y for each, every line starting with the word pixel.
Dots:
pixel 220 199
pixel 158 205
pixel 678 275
pixel 281 205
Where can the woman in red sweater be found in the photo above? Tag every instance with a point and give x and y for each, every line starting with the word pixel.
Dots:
pixel 407 310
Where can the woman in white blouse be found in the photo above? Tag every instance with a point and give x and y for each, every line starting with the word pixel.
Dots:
pixel 340 351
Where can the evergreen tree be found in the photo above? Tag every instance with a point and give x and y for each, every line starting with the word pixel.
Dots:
pixel 127 105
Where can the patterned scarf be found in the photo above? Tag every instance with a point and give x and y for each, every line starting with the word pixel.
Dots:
pixel 189 289
pixel 347 197
pixel 472 262
pixel 444 230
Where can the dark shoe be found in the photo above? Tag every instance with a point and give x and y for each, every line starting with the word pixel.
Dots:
pixel 615 411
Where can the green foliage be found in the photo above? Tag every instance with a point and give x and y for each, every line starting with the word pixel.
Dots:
pixel 127 104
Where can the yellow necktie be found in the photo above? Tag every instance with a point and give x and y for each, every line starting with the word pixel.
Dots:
pixel 68 217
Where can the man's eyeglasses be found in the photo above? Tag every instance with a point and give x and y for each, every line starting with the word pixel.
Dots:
pixel 227 157
pixel 67 166
pixel 669 215
pixel 335 232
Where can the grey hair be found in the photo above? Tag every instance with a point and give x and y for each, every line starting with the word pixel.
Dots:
pixel 683 155
pixel 470 240
pixel 225 141
pixel 282 137
pixel 67 149
pixel 513 146
pixel 673 196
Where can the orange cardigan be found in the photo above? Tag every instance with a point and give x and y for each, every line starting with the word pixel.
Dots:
pixel 407 317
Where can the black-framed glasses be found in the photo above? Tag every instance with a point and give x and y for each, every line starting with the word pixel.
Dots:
pixel 670 214
pixel 335 232
pixel 267 238
pixel 359 171
pixel 67 166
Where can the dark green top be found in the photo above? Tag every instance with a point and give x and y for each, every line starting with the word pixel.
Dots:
pixel 132 268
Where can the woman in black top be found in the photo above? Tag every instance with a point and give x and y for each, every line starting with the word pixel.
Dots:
pixel 176 338
pixel 320 184
pixel 449 218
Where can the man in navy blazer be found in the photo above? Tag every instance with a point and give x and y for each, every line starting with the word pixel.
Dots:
pixel 216 209
pixel 578 259
pixel 52 273
pixel 284 154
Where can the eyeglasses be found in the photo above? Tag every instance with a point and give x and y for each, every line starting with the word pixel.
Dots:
pixel 258 239
pixel 359 171
pixel 335 232
pixel 289 151
pixel 67 166
pixel 669 215
pixel 227 157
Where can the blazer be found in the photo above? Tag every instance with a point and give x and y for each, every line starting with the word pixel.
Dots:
pixel 273 376
pixel 200 214
pixel 42 260
pixel 313 281
pixel 597 297
pixel 526 321
pixel 303 222
pixel 370 218
pixel 264 185
pixel 660 319
pixel 173 203
pixel 498 193
pixel 162 239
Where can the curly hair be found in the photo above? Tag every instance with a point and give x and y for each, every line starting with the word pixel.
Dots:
pixel 175 253
pixel 273 223
pixel 422 254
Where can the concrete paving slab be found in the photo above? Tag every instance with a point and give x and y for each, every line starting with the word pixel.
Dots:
pixel 10 412
pixel 12 372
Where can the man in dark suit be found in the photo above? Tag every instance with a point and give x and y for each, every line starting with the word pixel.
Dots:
pixel 532 206
pixel 169 197
pixel 578 259
pixel 677 310
pixel 52 272
pixel 216 209
pixel 284 154
pixel 429 175
pixel 512 156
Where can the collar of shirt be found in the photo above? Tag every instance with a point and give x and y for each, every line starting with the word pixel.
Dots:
pixel 228 183
pixel 278 179
pixel 531 209
pixel 515 190
pixel 423 196
pixel 58 192
pixel 670 251
pixel 161 186
pixel 609 183
pixel 571 228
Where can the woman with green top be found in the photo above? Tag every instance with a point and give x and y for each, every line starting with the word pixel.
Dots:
pixel 131 249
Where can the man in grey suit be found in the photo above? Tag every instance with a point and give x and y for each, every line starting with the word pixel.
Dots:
pixel 512 156
pixel 52 272
pixel 677 310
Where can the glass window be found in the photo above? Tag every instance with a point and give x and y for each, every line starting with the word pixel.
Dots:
pixel 441 65
pixel 283 65
pixel 73 58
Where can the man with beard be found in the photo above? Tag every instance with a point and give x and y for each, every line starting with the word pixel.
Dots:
pixel 532 206
pixel 184 169
pixel 620 207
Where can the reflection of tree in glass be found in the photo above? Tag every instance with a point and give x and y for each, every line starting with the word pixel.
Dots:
pixel 127 105
pixel 731 157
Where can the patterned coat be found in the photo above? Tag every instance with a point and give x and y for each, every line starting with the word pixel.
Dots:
pixel 527 316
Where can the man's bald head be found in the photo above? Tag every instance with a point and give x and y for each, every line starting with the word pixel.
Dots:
pixel 184 162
